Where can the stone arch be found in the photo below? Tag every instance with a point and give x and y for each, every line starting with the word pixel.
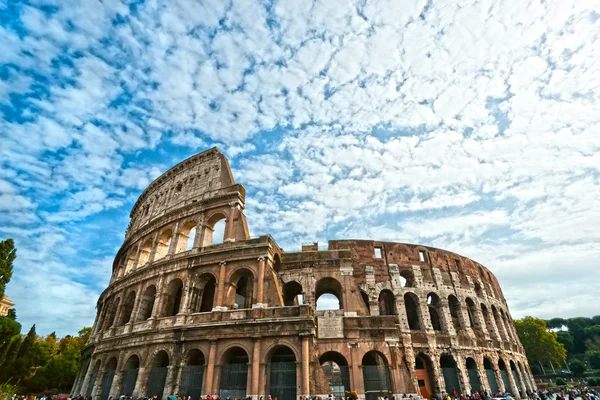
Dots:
pixel 215 223
pixel 173 296
pixel 498 322
pixel 292 294
pixel 112 313
pixel 472 311
pixel 481 273
pixel 515 375
pixel 524 376
pixel 187 236
pixel 455 312
pixel 336 369
pixel 478 289
pixel 488 319
pixel 192 374
pixel 365 298
pixel 433 305
pixel 163 244
pixel 241 288
pixel 130 374
pixel 376 375
pixel 330 286
pixel 504 374
pixel 93 378
pixel 130 263
pixel 281 367
pixel 204 291
pixel 147 305
pixel 488 366
pixel 276 263
pixel 473 373
pixel 507 327
pixel 387 303
pixel 450 372
pixel 411 304
pixel 145 251
pixel 234 372
pixel 127 309
pixel 159 365
pixel 425 375
pixel 407 278
pixel 108 377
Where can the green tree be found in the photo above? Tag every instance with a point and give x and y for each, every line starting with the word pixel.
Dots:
pixel 12 314
pixel 593 358
pixel 8 254
pixel 540 344
pixel 560 381
pixel 8 329
pixel 577 329
pixel 577 367
pixel 556 323
pixel 566 339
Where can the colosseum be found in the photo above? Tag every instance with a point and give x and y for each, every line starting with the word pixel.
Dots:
pixel 189 313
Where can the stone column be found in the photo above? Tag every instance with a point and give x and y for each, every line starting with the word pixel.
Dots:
pixel 437 372
pixel 210 368
pixel 424 317
pixel 461 364
pixel 88 375
pixel 158 299
pixel 230 227
pixel 357 377
pixel 153 250
pixel 402 317
pixel 184 308
pixel 140 388
pixel 514 389
pixel 374 307
pixel 446 317
pixel 305 366
pixel 137 256
pixel 260 286
pixel 498 376
pixel 199 238
pixel 255 369
pixel 173 245
pixel 171 371
pixel 465 320
pixel 348 284
pixel 221 288
pixel 178 377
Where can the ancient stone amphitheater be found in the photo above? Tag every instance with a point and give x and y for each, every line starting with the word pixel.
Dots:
pixel 186 315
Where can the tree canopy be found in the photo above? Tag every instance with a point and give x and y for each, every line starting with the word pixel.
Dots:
pixel 8 254
pixel 541 345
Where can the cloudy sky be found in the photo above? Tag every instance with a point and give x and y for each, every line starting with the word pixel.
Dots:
pixel 470 125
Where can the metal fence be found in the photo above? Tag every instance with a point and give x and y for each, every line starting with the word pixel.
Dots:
pixel 451 380
pixel 377 381
pixel 282 380
pixel 91 384
pixel 505 379
pixel 190 383
pixel 339 381
pixel 129 379
pixel 156 382
pixel 474 380
pixel 491 380
pixel 234 378
pixel 516 378
pixel 106 384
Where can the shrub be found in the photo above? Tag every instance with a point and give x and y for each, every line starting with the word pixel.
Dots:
pixel 593 381
pixel 560 381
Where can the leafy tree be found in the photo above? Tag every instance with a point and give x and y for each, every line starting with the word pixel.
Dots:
pixel 12 314
pixel 8 329
pixel 8 253
pixel 577 328
pixel 592 331
pixel 593 358
pixel 540 344
pixel 560 381
pixel 577 367
pixel 556 323
pixel 566 339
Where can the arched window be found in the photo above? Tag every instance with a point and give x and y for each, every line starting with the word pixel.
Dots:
pixel 478 290
pixel 455 312
pixel 203 293
pixel 158 375
pixel 433 304
pixel 147 303
pixel 187 234
pixel 282 374
pixel 328 293
pixel 504 375
pixel 489 372
pixel 387 303
pixel 376 376
pixel 240 292
pixel 473 375
pixel 472 311
pixel 112 313
pixel 127 309
pixel 164 242
pixel 406 278
pixel 107 380
pixel 292 294
pixel 498 323
pixel 130 374
pixel 488 319
pixel 145 253
pixel 411 303
pixel 424 372
pixel 365 299
pixel 450 372
pixel 335 367
pixel 234 373
pixel 192 375
pixel 214 230
pixel 173 298
pixel 130 261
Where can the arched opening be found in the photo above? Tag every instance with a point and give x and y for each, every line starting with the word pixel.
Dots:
pixel 481 274
pixel 112 313
pixel 504 375
pixel 328 293
pixel 187 235
pixel 292 294
pixel 337 372
pixel 365 299
pixel 276 263
pixel 488 319
pixel 147 305
pixel 376 376
pixel 173 298
pixel 130 261
pixel 478 289
pixel 455 311
pixel 473 375
pixel 214 230
pixel 127 309
pixel 424 372
pixel 164 242
pixel 406 279
pixel 157 375
pixel 515 375
pixel 107 380
pixel 387 303
pixel 524 376
pixel 433 304
pixel 192 375
pixel 498 323
pixel 203 293
pixel 281 371
pixel 130 374
pixel 240 292
pixel 450 373
pixel 489 373
pixel 234 373
pixel 507 327
pixel 411 303
pixel 93 378
pixel 145 253
pixel 472 311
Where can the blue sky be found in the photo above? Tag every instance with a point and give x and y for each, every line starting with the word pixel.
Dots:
pixel 466 125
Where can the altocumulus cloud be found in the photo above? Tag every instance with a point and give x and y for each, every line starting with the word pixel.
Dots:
pixel 468 125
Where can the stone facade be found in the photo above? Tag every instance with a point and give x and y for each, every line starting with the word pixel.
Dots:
pixel 5 305
pixel 183 315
